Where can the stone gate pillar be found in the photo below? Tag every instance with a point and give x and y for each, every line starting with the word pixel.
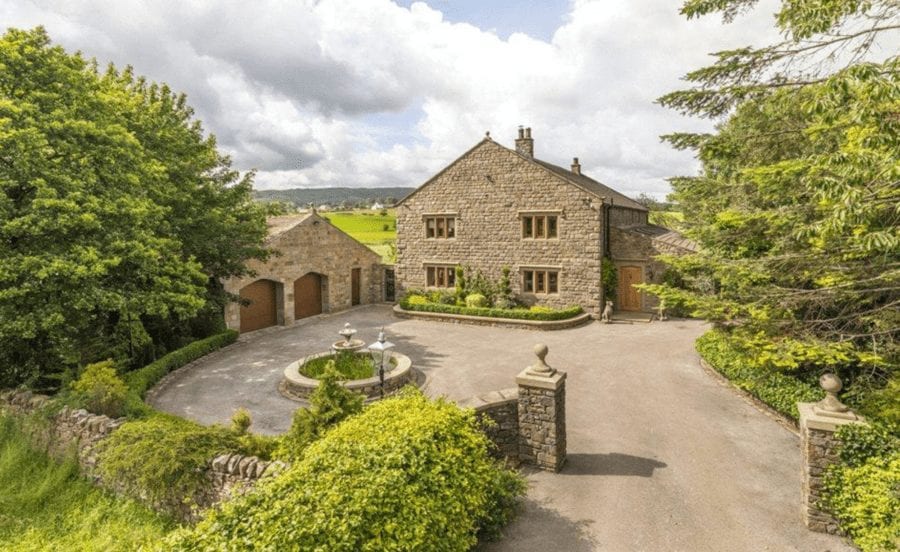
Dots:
pixel 818 443
pixel 542 414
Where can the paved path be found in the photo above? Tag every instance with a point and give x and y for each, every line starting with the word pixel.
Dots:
pixel 661 456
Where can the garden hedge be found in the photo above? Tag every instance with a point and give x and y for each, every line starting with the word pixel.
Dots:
pixel 514 314
pixel 863 490
pixel 139 381
pixel 408 473
pixel 779 390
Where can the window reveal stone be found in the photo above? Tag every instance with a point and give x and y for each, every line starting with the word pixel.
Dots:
pixel 440 227
pixel 440 276
pixel 540 281
pixel 540 227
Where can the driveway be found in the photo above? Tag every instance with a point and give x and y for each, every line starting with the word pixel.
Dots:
pixel 661 456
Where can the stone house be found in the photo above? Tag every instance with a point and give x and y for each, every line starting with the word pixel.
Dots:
pixel 554 227
pixel 316 269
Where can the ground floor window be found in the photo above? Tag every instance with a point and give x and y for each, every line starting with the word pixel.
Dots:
pixel 440 276
pixel 540 281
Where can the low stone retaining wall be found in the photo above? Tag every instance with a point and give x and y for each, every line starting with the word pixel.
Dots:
pixel 544 325
pixel 80 431
pixel 297 386
pixel 502 408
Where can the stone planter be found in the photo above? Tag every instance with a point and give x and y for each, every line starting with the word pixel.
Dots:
pixel 299 387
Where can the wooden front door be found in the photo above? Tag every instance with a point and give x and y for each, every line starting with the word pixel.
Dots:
pixel 354 286
pixel 629 297
pixel 260 310
pixel 307 296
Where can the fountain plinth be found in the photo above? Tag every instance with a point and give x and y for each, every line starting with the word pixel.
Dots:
pixel 348 344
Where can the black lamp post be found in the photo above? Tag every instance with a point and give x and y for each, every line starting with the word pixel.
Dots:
pixel 378 350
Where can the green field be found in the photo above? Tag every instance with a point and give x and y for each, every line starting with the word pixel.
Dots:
pixel 46 505
pixel 369 228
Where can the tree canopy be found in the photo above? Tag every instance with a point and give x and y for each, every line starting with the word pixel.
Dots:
pixel 797 204
pixel 117 213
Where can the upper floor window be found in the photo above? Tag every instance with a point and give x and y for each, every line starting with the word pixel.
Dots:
pixel 540 281
pixel 542 227
pixel 441 227
pixel 440 276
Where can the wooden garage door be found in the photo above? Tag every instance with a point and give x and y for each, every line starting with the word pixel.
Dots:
pixel 629 298
pixel 307 296
pixel 261 311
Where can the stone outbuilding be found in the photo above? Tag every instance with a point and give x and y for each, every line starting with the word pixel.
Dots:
pixel 316 269
pixel 553 227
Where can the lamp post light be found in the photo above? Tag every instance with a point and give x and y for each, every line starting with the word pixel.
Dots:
pixel 378 350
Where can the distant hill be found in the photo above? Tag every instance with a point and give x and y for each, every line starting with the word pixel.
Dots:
pixel 335 197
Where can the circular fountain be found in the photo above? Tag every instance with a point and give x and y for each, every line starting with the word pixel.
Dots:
pixel 397 368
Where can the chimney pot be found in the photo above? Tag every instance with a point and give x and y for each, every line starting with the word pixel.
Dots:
pixel 524 143
pixel 576 166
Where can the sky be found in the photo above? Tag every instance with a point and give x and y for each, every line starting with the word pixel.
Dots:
pixel 380 93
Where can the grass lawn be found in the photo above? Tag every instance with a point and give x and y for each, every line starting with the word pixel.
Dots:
pixel 46 505
pixel 369 228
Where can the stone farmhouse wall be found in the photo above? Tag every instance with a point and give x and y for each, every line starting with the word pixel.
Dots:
pixel 80 432
pixel 488 190
pixel 313 245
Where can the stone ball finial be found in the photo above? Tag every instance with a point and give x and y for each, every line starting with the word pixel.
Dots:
pixel 540 368
pixel 832 384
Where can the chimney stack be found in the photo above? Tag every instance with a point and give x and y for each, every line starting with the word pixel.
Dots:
pixel 576 166
pixel 524 143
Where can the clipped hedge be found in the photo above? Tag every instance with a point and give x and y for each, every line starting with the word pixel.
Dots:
pixel 412 304
pixel 408 473
pixel 779 390
pixel 139 381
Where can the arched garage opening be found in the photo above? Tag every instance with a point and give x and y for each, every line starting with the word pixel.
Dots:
pixel 259 305
pixel 308 295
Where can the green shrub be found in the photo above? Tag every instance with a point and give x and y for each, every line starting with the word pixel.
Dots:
pixel 46 505
pixel 416 300
pixel 408 473
pixel 538 309
pixel 100 389
pixel 330 403
pixel 476 300
pixel 864 495
pixel 779 390
pixel 162 457
pixel 609 277
pixel 144 378
pixel 349 366
pixel 241 421
pixel 514 314
pixel 461 285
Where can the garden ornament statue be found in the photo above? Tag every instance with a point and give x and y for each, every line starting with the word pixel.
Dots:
pixel 606 317
pixel 540 368
pixel 661 309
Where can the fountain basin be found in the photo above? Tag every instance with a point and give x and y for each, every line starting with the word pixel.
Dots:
pixel 299 387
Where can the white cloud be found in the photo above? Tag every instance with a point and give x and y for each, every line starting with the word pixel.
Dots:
pixel 290 87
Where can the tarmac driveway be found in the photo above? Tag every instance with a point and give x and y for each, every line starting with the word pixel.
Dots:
pixel 660 455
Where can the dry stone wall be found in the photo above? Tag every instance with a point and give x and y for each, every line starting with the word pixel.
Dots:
pixel 81 431
pixel 502 409
pixel 488 190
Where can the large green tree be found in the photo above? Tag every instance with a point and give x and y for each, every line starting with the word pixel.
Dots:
pixel 117 214
pixel 797 205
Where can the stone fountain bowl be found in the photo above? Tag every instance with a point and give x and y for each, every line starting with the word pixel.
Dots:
pixel 296 386
pixel 352 345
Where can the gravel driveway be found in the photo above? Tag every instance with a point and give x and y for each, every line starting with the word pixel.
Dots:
pixel 661 455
